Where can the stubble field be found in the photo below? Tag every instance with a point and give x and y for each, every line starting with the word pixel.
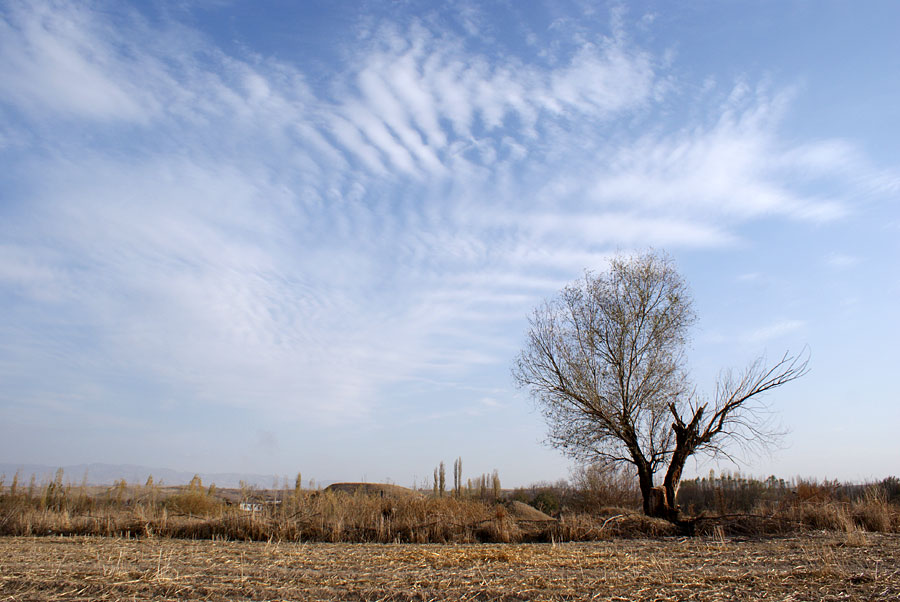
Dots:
pixel 808 567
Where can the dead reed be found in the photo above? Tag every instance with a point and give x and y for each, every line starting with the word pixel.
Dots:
pixel 198 512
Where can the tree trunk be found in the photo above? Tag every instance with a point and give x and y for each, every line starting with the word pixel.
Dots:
pixel 685 443
pixel 645 479
pixel 658 507
pixel 671 483
pixel 659 502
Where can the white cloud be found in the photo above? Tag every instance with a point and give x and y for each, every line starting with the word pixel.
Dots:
pixel 399 97
pixel 611 229
pixel 732 169
pixel 772 331
pixel 261 242
pixel 57 58
pixel 841 261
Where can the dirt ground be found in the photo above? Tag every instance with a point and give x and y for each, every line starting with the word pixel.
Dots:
pixel 811 567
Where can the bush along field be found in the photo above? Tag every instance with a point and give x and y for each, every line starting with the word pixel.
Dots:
pixel 594 505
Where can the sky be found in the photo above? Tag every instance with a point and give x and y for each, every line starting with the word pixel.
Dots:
pixel 307 236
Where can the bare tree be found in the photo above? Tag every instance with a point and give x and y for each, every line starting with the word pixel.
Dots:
pixel 605 361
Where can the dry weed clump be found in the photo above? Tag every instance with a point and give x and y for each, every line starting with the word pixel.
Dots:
pixel 850 510
pixel 195 512
pixel 354 515
pixel 875 513
pixel 614 523
pixel 871 513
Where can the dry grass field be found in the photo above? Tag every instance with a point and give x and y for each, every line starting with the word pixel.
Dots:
pixel 822 566
pixel 133 542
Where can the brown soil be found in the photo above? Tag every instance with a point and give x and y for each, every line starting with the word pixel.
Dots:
pixel 524 512
pixel 813 567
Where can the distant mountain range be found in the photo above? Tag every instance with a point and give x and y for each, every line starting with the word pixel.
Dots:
pixel 107 474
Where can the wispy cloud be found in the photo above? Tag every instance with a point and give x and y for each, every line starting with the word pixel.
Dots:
pixel 841 261
pixel 57 58
pixel 225 231
pixel 772 331
pixel 409 83
pixel 732 168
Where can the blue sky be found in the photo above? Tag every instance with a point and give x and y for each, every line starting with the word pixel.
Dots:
pixel 281 237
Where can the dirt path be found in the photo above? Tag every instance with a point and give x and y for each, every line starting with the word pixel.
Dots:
pixel 822 567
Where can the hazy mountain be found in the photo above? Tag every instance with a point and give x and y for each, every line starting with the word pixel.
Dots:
pixel 107 474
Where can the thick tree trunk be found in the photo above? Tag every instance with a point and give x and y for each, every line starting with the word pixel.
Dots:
pixel 671 483
pixel 659 501
pixel 645 480
pixel 654 497
pixel 658 507
pixel 686 442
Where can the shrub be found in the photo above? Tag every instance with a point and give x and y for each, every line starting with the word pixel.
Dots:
pixel 596 486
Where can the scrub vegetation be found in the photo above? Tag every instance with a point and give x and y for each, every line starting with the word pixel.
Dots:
pixel 596 504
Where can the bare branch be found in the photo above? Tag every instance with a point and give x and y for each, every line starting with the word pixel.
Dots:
pixel 738 412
